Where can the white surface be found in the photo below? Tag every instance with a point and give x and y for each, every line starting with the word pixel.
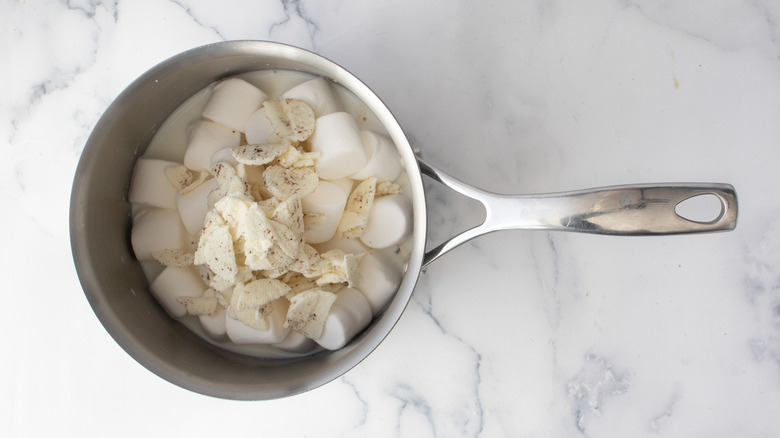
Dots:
pixel 514 334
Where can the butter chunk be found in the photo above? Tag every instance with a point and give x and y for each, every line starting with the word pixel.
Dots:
pixel 259 238
pixel 253 176
pixel 263 239
pixel 251 317
pixel 385 188
pixel 291 118
pixel 275 113
pixel 184 180
pixel 200 306
pixel 258 154
pixel 308 312
pixel 300 117
pixel 179 176
pixel 313 219
pixel 307 261
pixel 260 292
pixel 228 179
pixel 355 216
pixel 269 205
pixel 223 285
pixel 279 262
pixel 283 183
pixel 263 233
pixel 224 297
pixel 233 209
pixel 174 257
pixel 257 225
pixel 287 240
pixel 215 248
pixel 290 213
pixel 298 283
pixel 294 157
pixel 339 267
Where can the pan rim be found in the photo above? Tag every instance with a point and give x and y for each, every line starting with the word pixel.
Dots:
pixel 83 248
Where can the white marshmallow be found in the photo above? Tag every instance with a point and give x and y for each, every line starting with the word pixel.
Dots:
pixel 329 200
pixel 344 184
pixel 389 221
pixel 349 315
pixel 224 156
pixel 139 212
pixel 379 280
pixel 193 206
pixel 349 246
pixel 317 94
pixel 150 185
pixel 383 161
pixel 392 255
pixel 173 283
pixel 296 343
pixel 337 138
pixel 258 127
pixel 214 325
pixel 204 139
pixel 232 102
pixel 240 333
pixel 157 229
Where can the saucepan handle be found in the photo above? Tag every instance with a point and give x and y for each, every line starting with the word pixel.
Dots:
pixel 628 210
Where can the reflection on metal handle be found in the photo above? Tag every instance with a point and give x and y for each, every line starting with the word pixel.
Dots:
pixel 630 210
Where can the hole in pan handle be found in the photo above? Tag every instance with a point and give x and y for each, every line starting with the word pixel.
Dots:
pixel 626 210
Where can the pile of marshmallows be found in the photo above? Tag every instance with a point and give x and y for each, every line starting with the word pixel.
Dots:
pixel 177 198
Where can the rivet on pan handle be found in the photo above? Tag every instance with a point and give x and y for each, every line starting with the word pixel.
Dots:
pixel 626 210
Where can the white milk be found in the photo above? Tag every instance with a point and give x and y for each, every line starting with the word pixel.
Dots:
pixel 170 142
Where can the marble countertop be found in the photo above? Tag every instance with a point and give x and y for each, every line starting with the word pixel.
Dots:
pixel 522 333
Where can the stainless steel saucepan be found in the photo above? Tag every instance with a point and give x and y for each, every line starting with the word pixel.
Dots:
pixel 117 289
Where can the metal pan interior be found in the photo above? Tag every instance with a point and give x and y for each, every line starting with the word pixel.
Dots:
pixel 112 279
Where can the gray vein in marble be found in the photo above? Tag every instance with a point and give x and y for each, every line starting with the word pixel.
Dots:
pixel 762 282
pixel 90 7
pixel 767 14
pixel 547 11
pixel 427 307
pixel 657 423
pixel 589 389
pixel 765 349
pixel 410 398
pixel 722 39
pixel 546 261
pixel 59 79
pixel 200 23
pixel 293 8
pixel 477 398
pixel 363 403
